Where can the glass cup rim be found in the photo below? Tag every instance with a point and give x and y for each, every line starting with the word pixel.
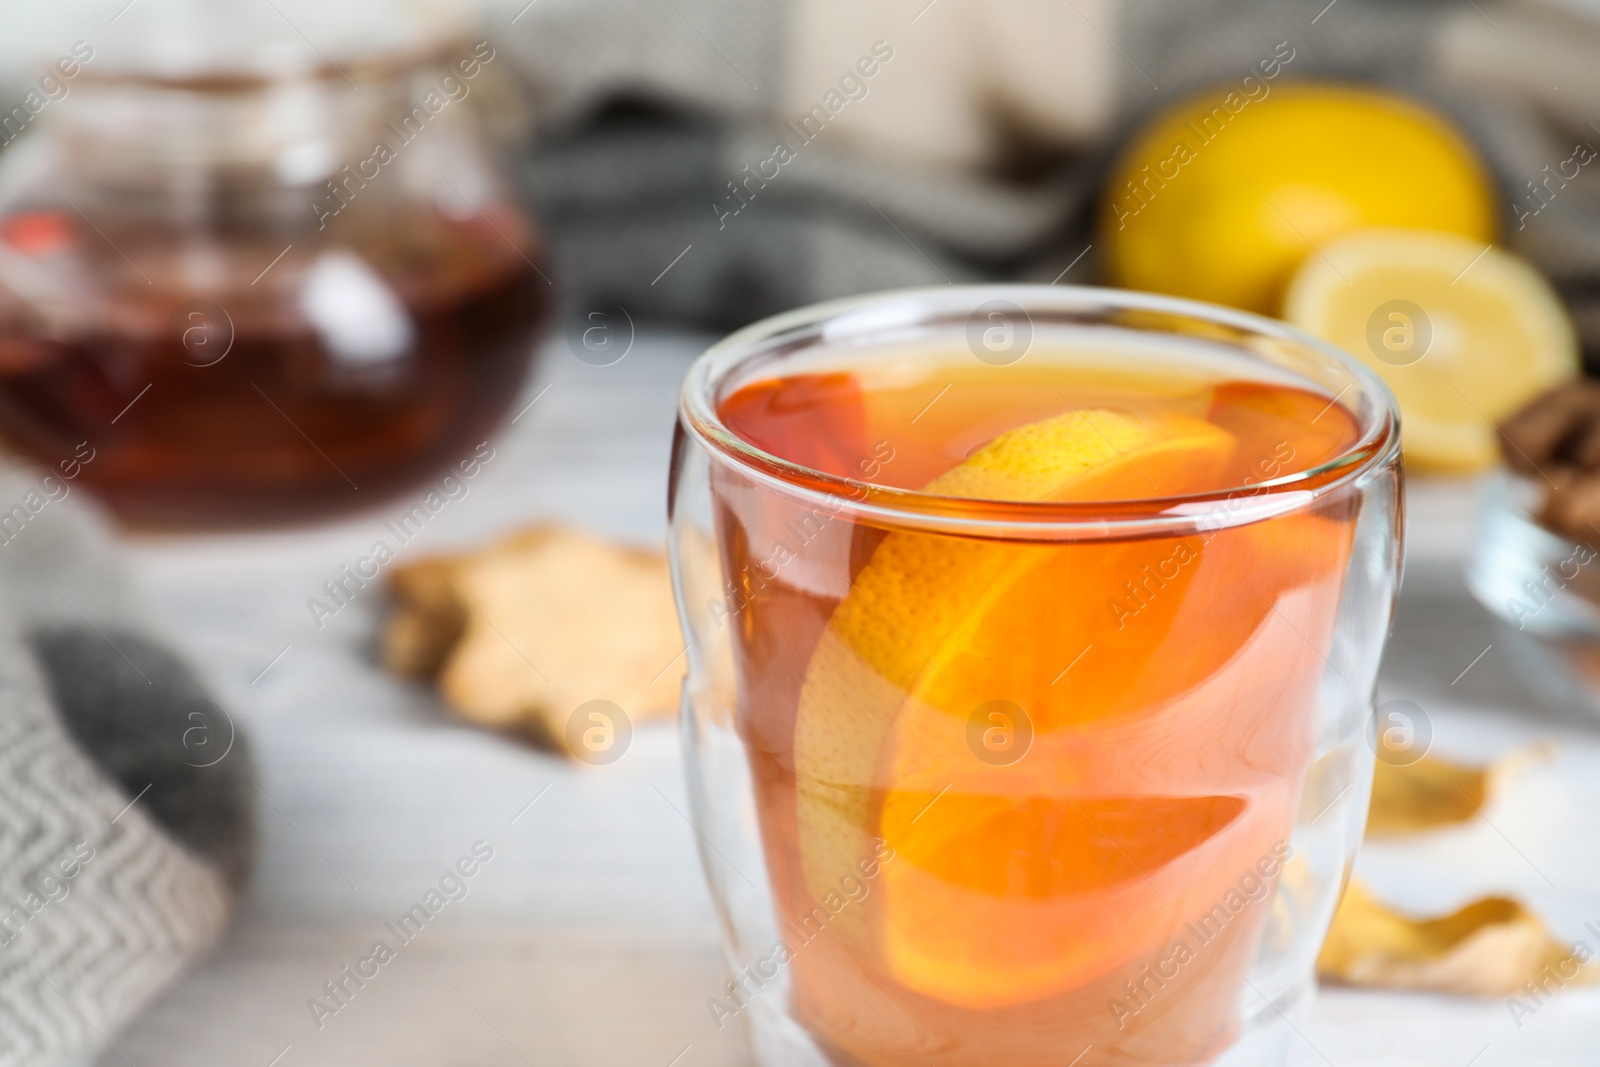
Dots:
pixel 1377 443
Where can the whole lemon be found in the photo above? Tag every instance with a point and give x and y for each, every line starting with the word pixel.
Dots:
pixel 1223 196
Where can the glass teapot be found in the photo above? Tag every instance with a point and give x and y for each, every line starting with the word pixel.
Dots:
pixel 243 282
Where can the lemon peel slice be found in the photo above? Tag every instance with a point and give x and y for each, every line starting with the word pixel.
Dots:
pixel 922 596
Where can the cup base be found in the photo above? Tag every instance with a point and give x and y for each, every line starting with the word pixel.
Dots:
pixel 776 1040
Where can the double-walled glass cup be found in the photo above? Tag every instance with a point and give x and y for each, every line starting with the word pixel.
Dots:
pixel 992 764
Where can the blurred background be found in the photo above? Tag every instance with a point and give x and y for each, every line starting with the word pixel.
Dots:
pixel 340 343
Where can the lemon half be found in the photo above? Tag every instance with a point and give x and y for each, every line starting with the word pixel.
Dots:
pixel 1463 333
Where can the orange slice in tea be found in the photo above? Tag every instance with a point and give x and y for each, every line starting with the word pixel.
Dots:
pixel 1162 769
pixel 1013 882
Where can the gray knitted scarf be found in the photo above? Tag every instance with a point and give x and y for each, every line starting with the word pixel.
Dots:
pixel 641 127
pixel 124 814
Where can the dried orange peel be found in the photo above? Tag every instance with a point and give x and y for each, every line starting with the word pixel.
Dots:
pixel 1433 792
pixel 1490 947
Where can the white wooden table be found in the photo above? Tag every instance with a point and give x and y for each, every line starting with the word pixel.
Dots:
pixel 589 938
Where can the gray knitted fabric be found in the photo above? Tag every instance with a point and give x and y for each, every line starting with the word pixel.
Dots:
pixel 642 125
pixel 124 806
